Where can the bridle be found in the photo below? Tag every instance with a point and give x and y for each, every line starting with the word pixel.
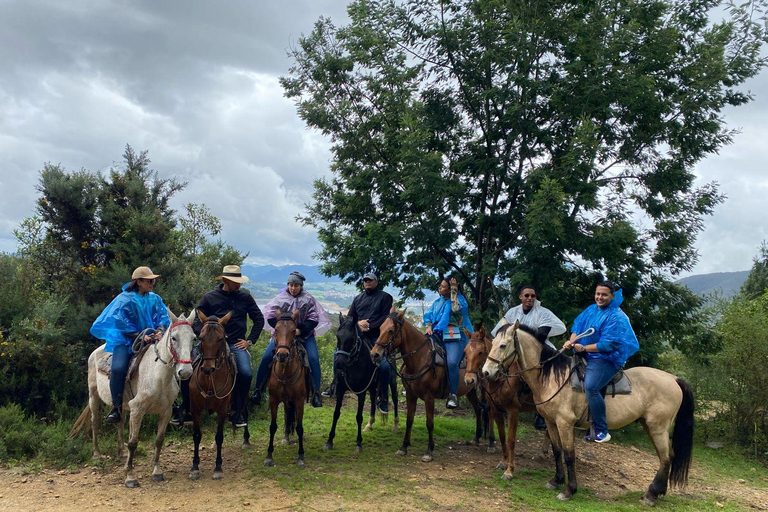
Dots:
pixel 395 332
pixel 288 355
pixel 352 355
pixel 220 358
pixel 220 352
pixel 175 359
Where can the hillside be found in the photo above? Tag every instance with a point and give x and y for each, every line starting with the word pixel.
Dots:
pixel 725 284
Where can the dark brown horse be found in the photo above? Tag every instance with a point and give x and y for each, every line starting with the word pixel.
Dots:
pixel 287 384
pixel 502 396
pixel 421 377
pixel 210 388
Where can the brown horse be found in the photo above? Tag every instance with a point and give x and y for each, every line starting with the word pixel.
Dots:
pixel 502 396
pixel 210 389
pixel 657 400
pixel 287 384
pixel 421 377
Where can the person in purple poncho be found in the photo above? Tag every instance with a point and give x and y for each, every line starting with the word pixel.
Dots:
pixel 312 321
pixel 137 309
pixel 606 350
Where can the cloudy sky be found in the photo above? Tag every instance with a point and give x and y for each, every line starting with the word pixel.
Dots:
pixel 196 84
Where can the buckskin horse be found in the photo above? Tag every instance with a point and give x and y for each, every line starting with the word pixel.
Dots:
pixel 503 396
pixel 657 399
pixel 151 389
pixel 421 377
pixel 287 384
pixel 355 372
pixel 211 385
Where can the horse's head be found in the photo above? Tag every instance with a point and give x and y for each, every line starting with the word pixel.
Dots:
pixel 180 338
pixel 476 353
pixel 389 335
pixel 346 336
pixel 503 350
pixel 285 332
pixel 213 340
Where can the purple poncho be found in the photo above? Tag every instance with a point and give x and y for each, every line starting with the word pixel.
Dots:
pixel 308 306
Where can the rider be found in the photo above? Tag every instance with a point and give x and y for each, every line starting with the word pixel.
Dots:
pixel 448 317
pixel 226 297
pixel 532 314
pixel 606 350
pixel 369 309
pixel 312 321
pixel 135 310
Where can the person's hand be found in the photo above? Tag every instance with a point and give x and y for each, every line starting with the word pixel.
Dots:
pixel 364 325
pixel 578 347
pixel 242 344
pixel 428 332
pixel 454 282
pixel 568 344
pixel 298 332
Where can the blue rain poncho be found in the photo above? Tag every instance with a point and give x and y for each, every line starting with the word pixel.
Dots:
pixel 127 315
pixel 439 314
pixel 614 337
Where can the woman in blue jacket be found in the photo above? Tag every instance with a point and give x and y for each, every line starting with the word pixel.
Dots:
pixel 612 343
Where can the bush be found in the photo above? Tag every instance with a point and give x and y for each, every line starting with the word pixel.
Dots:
pixel 19 437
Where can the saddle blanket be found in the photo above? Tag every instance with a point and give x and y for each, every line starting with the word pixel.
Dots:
pixel 619 384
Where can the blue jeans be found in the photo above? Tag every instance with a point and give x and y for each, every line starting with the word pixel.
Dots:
pixel 244 377
pixel 121 356
pixel 598 374
pixel 454 351
pixel 310 345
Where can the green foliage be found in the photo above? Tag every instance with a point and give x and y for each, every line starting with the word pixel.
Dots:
pixel 757 280
pixel 547 142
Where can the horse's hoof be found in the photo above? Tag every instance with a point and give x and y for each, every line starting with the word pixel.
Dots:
pixel 269 463
pixel 158 477
pixel 194 475
pixel 648 500
pixel 96 457
pixel 132 484
pixel 217 475
pixel 506 476
pixel 358 449
pixel 550 486
pixel 367 428
pixel 426 458
pixel 563 497
pixel 401 452
pixel 395 428
pixel 300 463
pixel 246 446
pixel 328 446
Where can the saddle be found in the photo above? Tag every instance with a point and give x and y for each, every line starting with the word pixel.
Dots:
pixel 618 385
pixel 105 367
pixel 439 359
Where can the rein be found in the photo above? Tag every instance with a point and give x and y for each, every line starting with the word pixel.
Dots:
pixel 352 356
pixel 219 358
pixel 292 355
pixel 172 349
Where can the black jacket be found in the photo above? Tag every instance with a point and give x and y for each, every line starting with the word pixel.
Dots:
pixel 218 302
pixel 371 305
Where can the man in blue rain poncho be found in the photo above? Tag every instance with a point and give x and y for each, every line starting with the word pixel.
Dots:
pixel 137 308
pixel 612 343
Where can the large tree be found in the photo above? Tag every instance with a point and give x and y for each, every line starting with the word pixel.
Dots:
pixel 541 141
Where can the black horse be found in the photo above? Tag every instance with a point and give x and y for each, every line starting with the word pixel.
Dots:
pixel 356 372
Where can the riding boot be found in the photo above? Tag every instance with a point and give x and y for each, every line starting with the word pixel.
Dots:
pixel 257 393
pixel 452 401
pixel 114 414
pixel 539 423
pixel 316 400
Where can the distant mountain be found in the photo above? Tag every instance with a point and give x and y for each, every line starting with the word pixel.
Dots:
pixel 274 274
pixel 725 283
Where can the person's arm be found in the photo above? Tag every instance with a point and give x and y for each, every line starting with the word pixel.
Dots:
pixel 383 312
pixel 202 306
pixel 305 328
pixel 257 318
pixel 455 306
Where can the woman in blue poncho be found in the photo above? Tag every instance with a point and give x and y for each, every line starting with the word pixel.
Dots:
pixel 448 317
pixel 612 343
pixel 137 308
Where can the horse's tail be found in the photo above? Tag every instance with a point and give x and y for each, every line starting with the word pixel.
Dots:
pixel 84 420
pixel 682 438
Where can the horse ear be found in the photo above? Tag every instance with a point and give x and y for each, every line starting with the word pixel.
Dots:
pixel 201 316
pixel 393 309
pixel 225 318
pixel 504 321
pixel 278 313
pixel 481 330
pixel 191 317
pixel 517 325
pixel 466 331
pixel 295 315
pixel 171 316
pixel 341 318
pixel 401 314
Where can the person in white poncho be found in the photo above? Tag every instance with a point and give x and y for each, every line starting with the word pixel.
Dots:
pixel 532 314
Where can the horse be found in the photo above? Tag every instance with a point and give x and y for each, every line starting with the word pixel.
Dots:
pixel 211 385
pixel 657 399
pixel 502 396
pixel 422 378
pixel 152 389
pixel 355 372
pixel 287 384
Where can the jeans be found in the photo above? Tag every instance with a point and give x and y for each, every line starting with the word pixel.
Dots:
pixel 121 356
pixel 384 372
pixel 310 345
pixel 598 375
pixel 454 351
pixel 244 377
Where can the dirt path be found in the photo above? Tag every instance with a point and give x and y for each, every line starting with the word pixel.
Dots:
pixel 98 489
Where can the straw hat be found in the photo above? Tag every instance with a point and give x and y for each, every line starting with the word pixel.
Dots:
pixel 232 273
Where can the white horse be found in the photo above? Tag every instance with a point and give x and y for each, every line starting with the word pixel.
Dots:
pixel 152 389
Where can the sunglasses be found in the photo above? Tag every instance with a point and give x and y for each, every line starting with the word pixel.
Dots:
pixel 530 295
pixel 148 280
pixel 367 280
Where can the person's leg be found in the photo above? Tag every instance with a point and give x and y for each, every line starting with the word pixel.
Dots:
pixel 310 345
pixel 243 380
pixel 454 351
pixel 121 355
pixel 598 374
pixel 383 390
pixel 262 373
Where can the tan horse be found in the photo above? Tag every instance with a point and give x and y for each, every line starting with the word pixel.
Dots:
pixel 502 396
pixel 287 385
pixel 151 390
pixel 657 399
pixel 421 377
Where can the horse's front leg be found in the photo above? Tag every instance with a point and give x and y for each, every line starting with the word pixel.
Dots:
pixel 513 414
pixel 557 452
pixel 273 405
pixel 162 425
pixel 137 414
pixel 359 418
pixel 472 397
pixel 429 406
pixel 300 429
pixel 569 453
pixel 222 417
pixel 497 418
pixel 246 434
pixel 197 435
pixel 372 417
pixel 336 415
pixel 410 412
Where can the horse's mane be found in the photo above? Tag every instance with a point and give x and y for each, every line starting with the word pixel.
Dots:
pixel 559 364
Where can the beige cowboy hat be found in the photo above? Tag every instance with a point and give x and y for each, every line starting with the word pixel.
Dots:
pixel 232 273
pixel 143 273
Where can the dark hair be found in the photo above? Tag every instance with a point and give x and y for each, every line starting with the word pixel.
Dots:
pixel 447 279
pixel 526 286
pixel 609 284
